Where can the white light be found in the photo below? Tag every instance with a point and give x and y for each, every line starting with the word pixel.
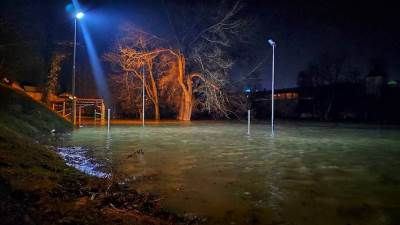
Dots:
pixel 79 15
pixel 271 42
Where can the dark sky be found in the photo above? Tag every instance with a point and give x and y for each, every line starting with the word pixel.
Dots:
pixel 302 29
pixel 359 29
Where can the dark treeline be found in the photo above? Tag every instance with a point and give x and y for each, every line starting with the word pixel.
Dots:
pixel 36 39
pixel 333 89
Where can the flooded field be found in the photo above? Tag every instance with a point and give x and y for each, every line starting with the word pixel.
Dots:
pixel 308 174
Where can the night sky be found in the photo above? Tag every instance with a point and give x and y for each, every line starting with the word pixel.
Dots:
pixel 302 29
pixel 358 29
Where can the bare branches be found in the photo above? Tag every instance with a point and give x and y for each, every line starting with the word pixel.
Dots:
pixel 135 54
pixel 220 30
pixel 195 72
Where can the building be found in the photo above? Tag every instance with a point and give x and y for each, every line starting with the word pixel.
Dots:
pixel 286 103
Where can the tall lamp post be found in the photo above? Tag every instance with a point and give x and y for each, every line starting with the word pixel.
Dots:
pixel 143 94
pixel 273 45
pixel 248 93
pixel 77 17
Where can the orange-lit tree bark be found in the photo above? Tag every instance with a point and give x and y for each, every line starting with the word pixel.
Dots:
pixel 177 86
pixel 186 105
pixel 186 90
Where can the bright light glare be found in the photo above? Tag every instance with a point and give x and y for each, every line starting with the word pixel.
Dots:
pixel 79 15
pixel 271 42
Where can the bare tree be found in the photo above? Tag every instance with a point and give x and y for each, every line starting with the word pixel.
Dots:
pixel 201 49
pixel 134 54
pixel 191 71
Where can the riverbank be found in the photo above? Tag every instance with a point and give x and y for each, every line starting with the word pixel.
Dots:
pixel 37 187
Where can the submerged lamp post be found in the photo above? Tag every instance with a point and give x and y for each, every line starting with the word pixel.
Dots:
pixel 248 93
pixel 273 45
pixel 78 16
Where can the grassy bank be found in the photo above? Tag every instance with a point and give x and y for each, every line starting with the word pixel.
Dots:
pixel 36 187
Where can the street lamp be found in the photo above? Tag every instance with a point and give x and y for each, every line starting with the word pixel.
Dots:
pixel 273 45
pixel 77 17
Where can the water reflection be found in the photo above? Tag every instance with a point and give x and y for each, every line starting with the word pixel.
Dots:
pixel 108 153
pixel 77 158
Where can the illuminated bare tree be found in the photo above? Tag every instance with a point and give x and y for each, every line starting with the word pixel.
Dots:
pixel 190 72
pixel 202 43
pixel 135 53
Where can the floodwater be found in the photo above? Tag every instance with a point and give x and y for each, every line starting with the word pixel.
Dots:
pixel 308 174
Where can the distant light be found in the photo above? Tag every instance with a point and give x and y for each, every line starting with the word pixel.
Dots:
pixel 271 42
pixel 79 15
pixel 392 83
pixel 248 90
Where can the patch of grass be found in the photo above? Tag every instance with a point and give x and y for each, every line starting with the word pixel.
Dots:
pixel 23 116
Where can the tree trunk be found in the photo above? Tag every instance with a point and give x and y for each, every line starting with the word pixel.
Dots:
pixel 156 111
pixel 185 107
pixel 154 91
pixel 154 98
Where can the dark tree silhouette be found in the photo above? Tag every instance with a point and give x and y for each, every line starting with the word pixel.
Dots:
pixel 322 77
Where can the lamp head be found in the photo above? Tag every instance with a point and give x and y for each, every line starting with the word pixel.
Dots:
pixel 79 15
pixel 271 42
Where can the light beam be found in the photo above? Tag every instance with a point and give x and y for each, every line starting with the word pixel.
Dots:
pixel 97 70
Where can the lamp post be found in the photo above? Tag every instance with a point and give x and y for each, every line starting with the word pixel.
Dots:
pixel 248 93
pixel 143 94
pixel 78 16
pixel 273 45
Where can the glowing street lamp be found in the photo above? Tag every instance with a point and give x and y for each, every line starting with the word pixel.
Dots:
pixel 78 16
pixel 273 45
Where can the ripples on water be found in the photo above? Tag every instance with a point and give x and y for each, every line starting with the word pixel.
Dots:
pixel 305 175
